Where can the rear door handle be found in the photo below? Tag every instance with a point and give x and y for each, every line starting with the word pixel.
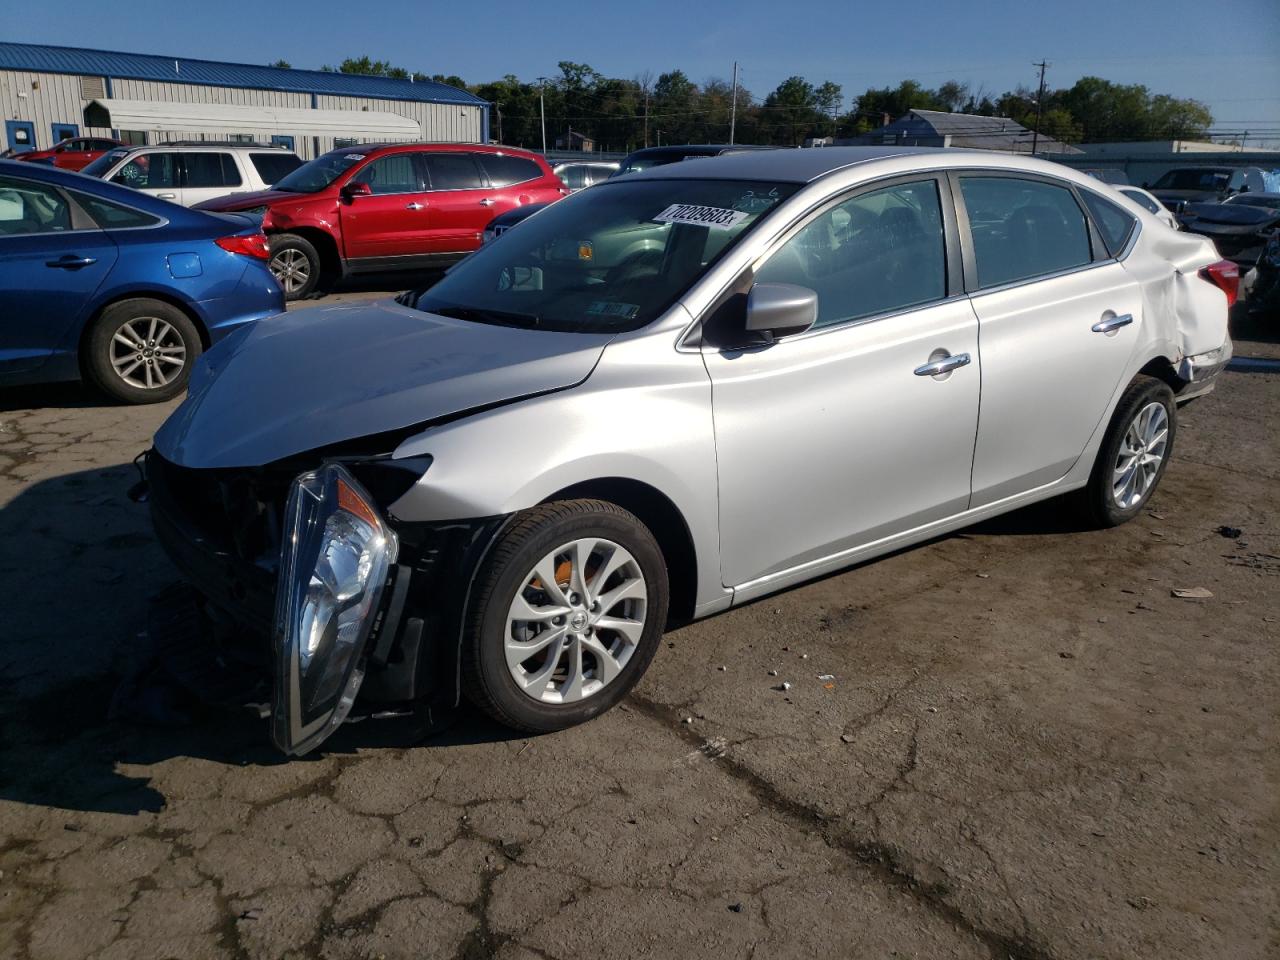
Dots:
pixel 486 202
pixel 1111 324
pixel 71 262
pixel 165 196
pixel 415 206
pixel 942 365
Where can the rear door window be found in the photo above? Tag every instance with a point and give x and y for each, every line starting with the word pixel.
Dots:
pixel 453 171
pixel 150 171
pixel 504 171
pixel 1023 228
pixel 394 173
pixel 273 167
pixel 876 253
pixel 211 170
pixel 30 207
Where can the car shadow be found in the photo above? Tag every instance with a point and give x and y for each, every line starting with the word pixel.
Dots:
pixel 67 395
pixel 89 700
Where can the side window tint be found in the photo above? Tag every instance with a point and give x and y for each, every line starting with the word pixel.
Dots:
pixel 230 172
pixel 1023 228
pixel 504 171
pixel 1113 223
pixel 395 173
pixel 204 170
pixel 114 216
pixel 453 171
pixel 273 167
pixel 30 207
pixel 875 253
pixel 150 171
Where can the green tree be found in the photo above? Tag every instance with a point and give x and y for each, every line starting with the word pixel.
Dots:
pixel 282 64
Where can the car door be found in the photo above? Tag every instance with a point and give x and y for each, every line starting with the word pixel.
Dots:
pixel 52 261
pixel 157 172
pixel 842 436
pixel 1059 320
pixel 207 174
pixel 461 202
pixel 391 220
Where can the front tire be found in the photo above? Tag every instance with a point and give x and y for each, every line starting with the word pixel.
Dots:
pixel 1134 454
pixel 142 350
pixel 295 263
pixel 568 612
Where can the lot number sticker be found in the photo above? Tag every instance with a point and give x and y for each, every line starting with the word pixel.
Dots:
pixel 694 215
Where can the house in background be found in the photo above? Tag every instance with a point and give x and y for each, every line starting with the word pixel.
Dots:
pixel 936 128
pixel 573 140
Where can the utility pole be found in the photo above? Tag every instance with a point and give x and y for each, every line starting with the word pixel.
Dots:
pixel 1035 134
pixel 733 101
pixel 498 107
pixel 646 116
pixel 542 110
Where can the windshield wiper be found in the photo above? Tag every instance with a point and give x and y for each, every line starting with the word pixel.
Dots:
pixel 500 317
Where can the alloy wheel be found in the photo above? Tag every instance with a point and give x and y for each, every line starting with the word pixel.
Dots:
pixel 1142 451
pixel 575 621
pixel 148 353
pixel 291 268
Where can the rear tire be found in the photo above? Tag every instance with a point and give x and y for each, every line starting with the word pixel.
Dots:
pixel 588 640
pixel 1134 454
pixel 142 350
pixel 296 265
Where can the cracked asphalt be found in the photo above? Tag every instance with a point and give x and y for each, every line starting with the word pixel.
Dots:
pixel 1011 742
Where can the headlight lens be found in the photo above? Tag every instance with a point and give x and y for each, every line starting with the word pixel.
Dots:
pixel 337 552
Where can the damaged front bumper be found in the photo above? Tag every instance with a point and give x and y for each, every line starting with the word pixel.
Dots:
pixel 311 568
pixel 1201 371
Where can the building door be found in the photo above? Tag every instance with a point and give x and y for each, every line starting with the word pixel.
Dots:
pixel 21 135
pixel 279 140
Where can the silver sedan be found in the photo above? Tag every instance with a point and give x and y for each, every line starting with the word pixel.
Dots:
pixel 666 396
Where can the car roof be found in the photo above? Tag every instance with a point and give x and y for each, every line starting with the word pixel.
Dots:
pixel 792 166
pixel 370 148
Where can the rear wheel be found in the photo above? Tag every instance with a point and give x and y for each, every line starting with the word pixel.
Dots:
pixel 295 263
pixel 141 350
pixel 1134 453
pixel 568 613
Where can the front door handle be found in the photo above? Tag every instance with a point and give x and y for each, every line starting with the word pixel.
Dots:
pixel 942 365
pixel 1112 324
pixel 415 206
pixel 486 202
pixel 166 196
pixel 71 262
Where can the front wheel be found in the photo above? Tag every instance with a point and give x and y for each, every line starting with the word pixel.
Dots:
pixel 295 263
pixel 1134 453
pixel 568 612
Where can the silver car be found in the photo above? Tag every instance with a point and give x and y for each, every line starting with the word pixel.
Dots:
pixel 665 396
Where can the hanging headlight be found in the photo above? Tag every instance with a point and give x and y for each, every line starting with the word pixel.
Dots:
pixel 336 554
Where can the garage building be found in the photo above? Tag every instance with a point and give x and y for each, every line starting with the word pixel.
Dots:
pixel 49 93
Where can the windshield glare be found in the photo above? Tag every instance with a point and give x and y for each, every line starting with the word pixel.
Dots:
pixel 317 174
pixel 605 260
pixel 99 167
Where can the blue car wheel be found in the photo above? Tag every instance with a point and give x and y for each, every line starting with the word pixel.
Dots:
pixel 142 350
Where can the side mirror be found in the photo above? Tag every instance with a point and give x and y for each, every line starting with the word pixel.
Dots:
pixel 353 189
pixel 778 309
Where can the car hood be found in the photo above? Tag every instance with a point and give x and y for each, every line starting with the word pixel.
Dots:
pixel 243 201
pixel 1230 214
pixel 324 375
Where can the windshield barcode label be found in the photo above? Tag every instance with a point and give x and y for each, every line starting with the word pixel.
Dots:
pixel 698 216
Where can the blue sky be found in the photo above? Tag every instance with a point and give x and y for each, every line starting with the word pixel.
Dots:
pixel 1225 53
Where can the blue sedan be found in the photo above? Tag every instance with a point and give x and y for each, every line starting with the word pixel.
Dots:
pixel 101 282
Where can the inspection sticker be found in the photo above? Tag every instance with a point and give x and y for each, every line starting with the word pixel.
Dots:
pixel 610 308
pixel 698 216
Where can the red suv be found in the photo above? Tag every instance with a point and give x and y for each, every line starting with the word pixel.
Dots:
pixel 74 153
pixel 388 207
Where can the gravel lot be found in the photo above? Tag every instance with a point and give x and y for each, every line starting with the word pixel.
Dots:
pixel 1027 747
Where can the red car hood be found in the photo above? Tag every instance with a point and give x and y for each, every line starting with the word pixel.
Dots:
pixel 246 201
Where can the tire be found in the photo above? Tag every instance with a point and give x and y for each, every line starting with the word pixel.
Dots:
pixel 1104 503
pixel 553 702
pixel 295 263
pixel 162 335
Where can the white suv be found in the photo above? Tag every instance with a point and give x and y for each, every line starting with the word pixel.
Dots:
pixel 188 173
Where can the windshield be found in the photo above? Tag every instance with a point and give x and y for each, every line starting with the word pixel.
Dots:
pixel 99 167
pixel 604 260
pixel 1193 180
pixel 314 176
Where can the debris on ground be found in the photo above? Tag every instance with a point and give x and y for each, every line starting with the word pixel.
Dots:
pixel 1231 533
pixel 1191 593
pixel 826 676
pixel 735 908
pixel 251 914
pixel 784 686
pixel 1066 655
pixel 1141 903
pixel 773 673
pixel 847 737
